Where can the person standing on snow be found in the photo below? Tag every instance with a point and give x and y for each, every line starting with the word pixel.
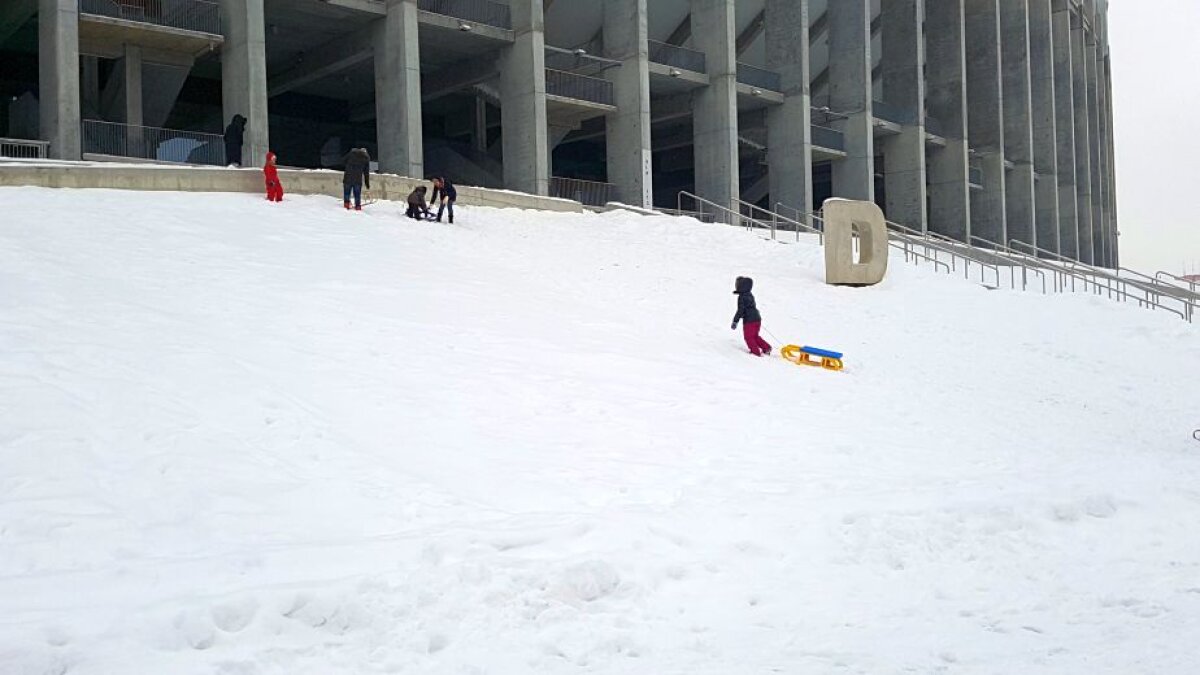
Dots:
pixel 271 175
pixel 448 194
pixel 233 140
pixel 356 175
pixel 747 313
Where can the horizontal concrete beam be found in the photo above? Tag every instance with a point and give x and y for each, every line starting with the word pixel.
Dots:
pixel 369 6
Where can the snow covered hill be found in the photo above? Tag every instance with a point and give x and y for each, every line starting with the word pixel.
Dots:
pixel 250 439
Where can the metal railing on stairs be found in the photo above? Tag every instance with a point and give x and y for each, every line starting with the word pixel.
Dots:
pixel 1031 267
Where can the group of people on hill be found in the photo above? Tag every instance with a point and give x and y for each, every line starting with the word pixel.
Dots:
pixel 357 175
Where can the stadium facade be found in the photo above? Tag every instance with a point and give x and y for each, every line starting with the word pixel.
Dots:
pixel 984 120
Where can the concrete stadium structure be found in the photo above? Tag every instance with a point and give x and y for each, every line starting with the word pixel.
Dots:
pixel 977 119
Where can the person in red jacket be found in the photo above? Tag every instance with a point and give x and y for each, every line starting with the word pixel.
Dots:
pixel 271 174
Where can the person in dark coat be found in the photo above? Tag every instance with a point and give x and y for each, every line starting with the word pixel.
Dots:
pixel 448 196
pixel 747 313
pixel 417 208
pixel 356 175
pixel 234 134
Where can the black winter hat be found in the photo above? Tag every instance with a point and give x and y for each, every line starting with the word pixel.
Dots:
pixel 742 285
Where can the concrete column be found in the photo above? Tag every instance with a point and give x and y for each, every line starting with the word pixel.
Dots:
pixel 1114 225
pixel 131 63
pixel 1064 118
pixel 1045 135
pixel 626 29
pixel 985 105
pixel 479 128
pixel 1095 154
pixel 946 82
pixel 904 87
pixel 789 126
pixel 398 128
pixel 714 108
pixel 58 77
pixel 1083 143
pixel 244 74
pixel 850 94
pixel 523 102
pixel 1019 204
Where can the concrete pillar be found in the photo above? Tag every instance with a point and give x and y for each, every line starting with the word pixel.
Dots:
pixel 135 139
pixel 714 108
pixel 789 126
pixel 58 77
pixel 850 94
pixel 904 87
pixel 1045 134
pixel 523 102
pixel 1064 118
pixel 1095 154
pixel 985 105
pixel 398 128
pixel 946 83
pixel 1114 225
pixel 131 63
pixel 244 74
pixel 479 128
pixel 626 29
pixel 1019 201
pixel 1083 143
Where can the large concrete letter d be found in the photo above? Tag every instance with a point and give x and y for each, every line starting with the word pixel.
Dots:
pixel 843 220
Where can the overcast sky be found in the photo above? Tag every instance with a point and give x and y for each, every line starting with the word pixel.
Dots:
pixel 1156 105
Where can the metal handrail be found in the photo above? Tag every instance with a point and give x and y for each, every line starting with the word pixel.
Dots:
pixel 753 76
pixel 1017 260
pixel 152 143
pixel 19 148
pixel 914 254
pixel 929 243
pixel 1150 298
pixel 1192 285
pixel 775 218
pixel 580 87
pixel 675 56
pixel 587 192
pixel 201 16
pixel 482 11
pixel 799 220
pixel 1170 289
pixel 735 217
pixel 1107 275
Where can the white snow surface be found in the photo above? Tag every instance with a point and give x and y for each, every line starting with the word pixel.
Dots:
pixel 245 438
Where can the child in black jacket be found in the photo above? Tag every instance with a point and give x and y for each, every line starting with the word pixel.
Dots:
pixel 747 313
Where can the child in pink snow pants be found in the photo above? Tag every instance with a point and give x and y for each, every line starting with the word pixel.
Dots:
pixel 747 313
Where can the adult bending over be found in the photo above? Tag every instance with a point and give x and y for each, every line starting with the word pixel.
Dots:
pixel 356 175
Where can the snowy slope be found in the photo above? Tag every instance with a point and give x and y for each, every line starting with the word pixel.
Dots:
pixel 251 439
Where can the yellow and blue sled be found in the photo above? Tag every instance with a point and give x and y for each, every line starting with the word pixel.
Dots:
pixel 812 356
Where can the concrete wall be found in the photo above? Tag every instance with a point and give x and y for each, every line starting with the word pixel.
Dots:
pixel 296 182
